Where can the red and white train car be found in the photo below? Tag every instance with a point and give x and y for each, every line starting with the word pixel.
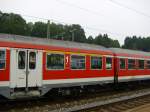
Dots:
pixel 32 66
pixel 131 65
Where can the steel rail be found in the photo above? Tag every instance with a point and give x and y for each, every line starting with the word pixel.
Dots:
pixel 133 95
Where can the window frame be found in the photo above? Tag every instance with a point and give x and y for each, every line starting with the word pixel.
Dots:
pixel 4 59
pixel 48 53
pixel 98 57
pixel 25 66
pixel 125 64
pixel 146 65
pixel 138 64
pixel 111 63
pixel 35 61
pixel 134 63
pixel 77 55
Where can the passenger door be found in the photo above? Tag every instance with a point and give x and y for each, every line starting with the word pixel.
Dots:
pixel 34 68
pixel 26 68
pixel 21 68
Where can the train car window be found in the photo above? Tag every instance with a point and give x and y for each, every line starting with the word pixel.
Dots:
pixel 55 61
pixel 77 62
pixel 122 63
pixel 147 64
pixel 141 64
pixel 131 64
pixel 108 63
pixel 32 60
pixel 2 59
pixel 21 59
pixel 96 62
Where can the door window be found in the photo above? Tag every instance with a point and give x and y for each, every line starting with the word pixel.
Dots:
pixel 122 63
pixel 108 63
pixel 32 60
pixel 21 59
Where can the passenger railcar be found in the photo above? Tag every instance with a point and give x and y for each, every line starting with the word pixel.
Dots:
pixel 131 65
pixel 33 66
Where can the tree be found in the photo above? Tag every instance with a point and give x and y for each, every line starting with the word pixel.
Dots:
pixel 56 31
pixel 39 29
pixel 137 43
pixel 13 24
pixel 74 30
pixel 98 40
pixel 90 40
pixel 29 28
pixel 1 14
pixel 116 44
pixel 104 40
pixel 79 34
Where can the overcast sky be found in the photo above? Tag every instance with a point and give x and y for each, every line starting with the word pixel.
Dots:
pixel 95 16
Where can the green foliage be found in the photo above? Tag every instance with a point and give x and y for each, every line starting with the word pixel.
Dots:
pixel 137 43
pixel 115 44
pixel 15 24
pixel 90 40
pixel 29 28
pixel 56 31
pixel 104 40
pixel 39 29
pixel 79 33
pixel 74 30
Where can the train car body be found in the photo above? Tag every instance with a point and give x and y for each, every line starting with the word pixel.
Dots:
pixel 33 66
pixel 131 65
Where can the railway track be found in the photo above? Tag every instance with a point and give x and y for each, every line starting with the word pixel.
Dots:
pixel 109 100
pixel 122 106
pixel 81 103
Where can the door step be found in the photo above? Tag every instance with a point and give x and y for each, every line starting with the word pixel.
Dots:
pixel 24 94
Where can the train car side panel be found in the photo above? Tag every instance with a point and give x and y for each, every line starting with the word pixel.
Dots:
pixel 69 75
pixel 4 64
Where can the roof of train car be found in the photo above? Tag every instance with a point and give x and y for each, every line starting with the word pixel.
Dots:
pixel 129 52
pixel 51 42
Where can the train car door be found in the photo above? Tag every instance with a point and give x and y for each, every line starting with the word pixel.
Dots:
pixel 34 68
pixel 26 68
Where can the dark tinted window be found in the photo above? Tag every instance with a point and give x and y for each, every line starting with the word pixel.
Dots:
pixel 32 60
pixel 141 64
pixel 2 59
pixel 77 62
pixel 108 63
pixel 96 62
pixel 21 59
pixel 131 64
pixel 55 61
pixel 122 63
pixel 147 64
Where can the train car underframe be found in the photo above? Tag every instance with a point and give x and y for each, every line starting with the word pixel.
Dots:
pixel 67 89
